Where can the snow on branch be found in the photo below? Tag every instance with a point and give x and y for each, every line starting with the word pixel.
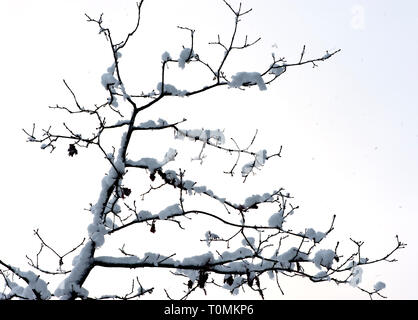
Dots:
pixel 256 231
pixel 152 164
pixel 36 289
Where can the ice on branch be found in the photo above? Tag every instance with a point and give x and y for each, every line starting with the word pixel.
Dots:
pixel 325 258
pixel 170 89
pixel 204 135
pixel 185 55
pixel 152 164
pixel 170 211
pixel 165 56
pixel 247 78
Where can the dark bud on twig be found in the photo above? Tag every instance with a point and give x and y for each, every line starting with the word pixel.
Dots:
pixel 257 281
pixel 72 150
pixel 152 176
pixel 153 227
pixel 203 277
pixel 250 280
pixel 190 284
pixel 126 192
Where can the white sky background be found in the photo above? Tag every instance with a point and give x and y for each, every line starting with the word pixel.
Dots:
pixel 349 128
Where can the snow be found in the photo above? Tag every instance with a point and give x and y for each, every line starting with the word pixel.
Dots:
pixel 316 236
pixel 108 78
pixel 200 189
pixel 248 242
pixel 325 258
pixel 184 55
pixel 114 101
pixel 242 78
pixel 165 56
pixel 35 284
pixel 256 198
pixel 200 260
pixel 122 122
pixel 169 88
pixel 202 134
pixel 277 70
pixel 379 286
pixel 82 263
pixel 322 275
pixel 247 168
pixel 237 254
pixel 151 163
pixel 209 236
pixel 363 260
pixel 97 230
pixel 291 254
pixel 260 159
pixel 172 177
pixel 110 223
pixel 170 211
pixel 357 274
pixel 15 288
pixel 148 124
pixel 170 155
pixel 327 55
pixel 149 258
pixel 151 124
pixel 144 214
pixel 188 185
pixel 276 220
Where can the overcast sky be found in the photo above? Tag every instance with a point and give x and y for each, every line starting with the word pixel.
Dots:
pixel 349 128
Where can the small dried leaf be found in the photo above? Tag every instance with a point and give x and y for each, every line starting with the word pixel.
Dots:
pixel 72 150
pixel 229 280
pixel 126 191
